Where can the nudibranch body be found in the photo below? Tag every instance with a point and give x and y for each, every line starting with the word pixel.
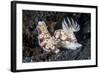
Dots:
pixel 64 37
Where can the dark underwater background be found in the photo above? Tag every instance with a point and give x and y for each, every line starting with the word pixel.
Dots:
pixel 31 49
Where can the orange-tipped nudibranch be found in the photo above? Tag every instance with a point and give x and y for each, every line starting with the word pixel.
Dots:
pixel 64 37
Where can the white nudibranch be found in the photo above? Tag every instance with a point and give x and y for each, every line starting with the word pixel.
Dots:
pixel 65 37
